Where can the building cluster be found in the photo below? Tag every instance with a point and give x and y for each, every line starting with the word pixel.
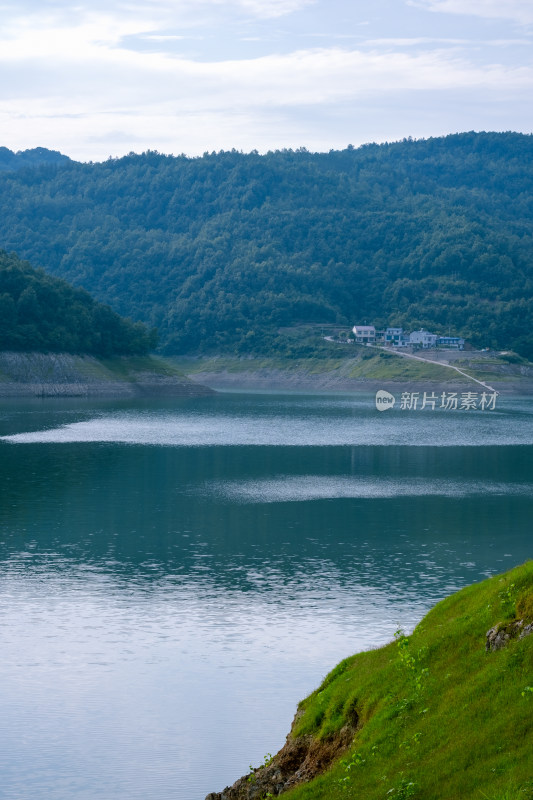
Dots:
pixel 397 337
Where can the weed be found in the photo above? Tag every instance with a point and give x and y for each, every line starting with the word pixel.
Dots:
pixel 408 743
pixel 508 599
pixel 406 657
pixel 266 761
pixel 524 792
pixel 403 790
pixel 410 662
pixel 356 760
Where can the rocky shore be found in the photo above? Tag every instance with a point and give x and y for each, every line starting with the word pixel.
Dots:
pixel 274 380
pixel 66 375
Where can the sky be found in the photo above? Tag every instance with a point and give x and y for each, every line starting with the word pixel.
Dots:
pixel 108 77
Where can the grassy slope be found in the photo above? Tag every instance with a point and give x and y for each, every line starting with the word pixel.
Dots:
pixel 385 366
pixel 440 718
pixel 122 367
pixel 373 366
pixel 27 367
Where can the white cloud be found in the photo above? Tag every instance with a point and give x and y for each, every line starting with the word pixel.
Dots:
pixel 428 40
pixel 84 68
pixel 94 78
pixel 517 10
pixel 406 42
pixel 154 9
pixel 260 8
pixel 75 83
pixel 274 8
pixel 163 37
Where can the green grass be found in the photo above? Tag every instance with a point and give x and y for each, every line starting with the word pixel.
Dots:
pixel 380 365
pixel 493 369
pixel 235 364
pixel 125 368
pixel 365 364
pixel 358 363
pixel 439 717
pixel 125 365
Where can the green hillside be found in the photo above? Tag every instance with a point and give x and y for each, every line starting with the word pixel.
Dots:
pixel 222 251
pixel 434 715
pixel 45 314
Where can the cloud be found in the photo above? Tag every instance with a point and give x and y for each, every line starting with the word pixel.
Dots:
pixel 274 8
pixel 94 79
pixel 111 137
pixel 329 74
pixel 85 68
pixel 441 42
pixel 81 81
pixel 154 9
pixel 169 37
pixel 520 11
pixel 414 42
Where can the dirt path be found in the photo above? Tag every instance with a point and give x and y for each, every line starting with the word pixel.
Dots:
pixel 449 366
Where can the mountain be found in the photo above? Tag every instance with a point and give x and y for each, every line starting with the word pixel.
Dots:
pixel 41 313
pixel 37 156
pixel 221 252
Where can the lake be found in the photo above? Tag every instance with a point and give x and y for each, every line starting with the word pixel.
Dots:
pixel 175 576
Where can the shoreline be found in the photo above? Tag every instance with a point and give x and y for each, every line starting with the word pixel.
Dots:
pixel 337 376
pixel 67 375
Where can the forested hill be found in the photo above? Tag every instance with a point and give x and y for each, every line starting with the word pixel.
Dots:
pixel 221 251
pixel 35 157
pixel 41 313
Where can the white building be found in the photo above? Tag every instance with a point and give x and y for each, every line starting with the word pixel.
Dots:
pixel 451 342
pixel 364 334
pixel 423 339
pixel 393 336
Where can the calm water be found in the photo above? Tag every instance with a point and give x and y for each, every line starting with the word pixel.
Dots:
pixel 175 576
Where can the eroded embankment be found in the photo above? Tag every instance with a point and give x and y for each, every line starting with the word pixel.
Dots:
pixel 300 760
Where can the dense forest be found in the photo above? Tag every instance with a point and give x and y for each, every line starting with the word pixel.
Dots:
pixel 221 251
pixel 29 158
pixel 41 313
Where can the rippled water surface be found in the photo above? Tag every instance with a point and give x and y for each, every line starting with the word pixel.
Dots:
pixel 175 576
